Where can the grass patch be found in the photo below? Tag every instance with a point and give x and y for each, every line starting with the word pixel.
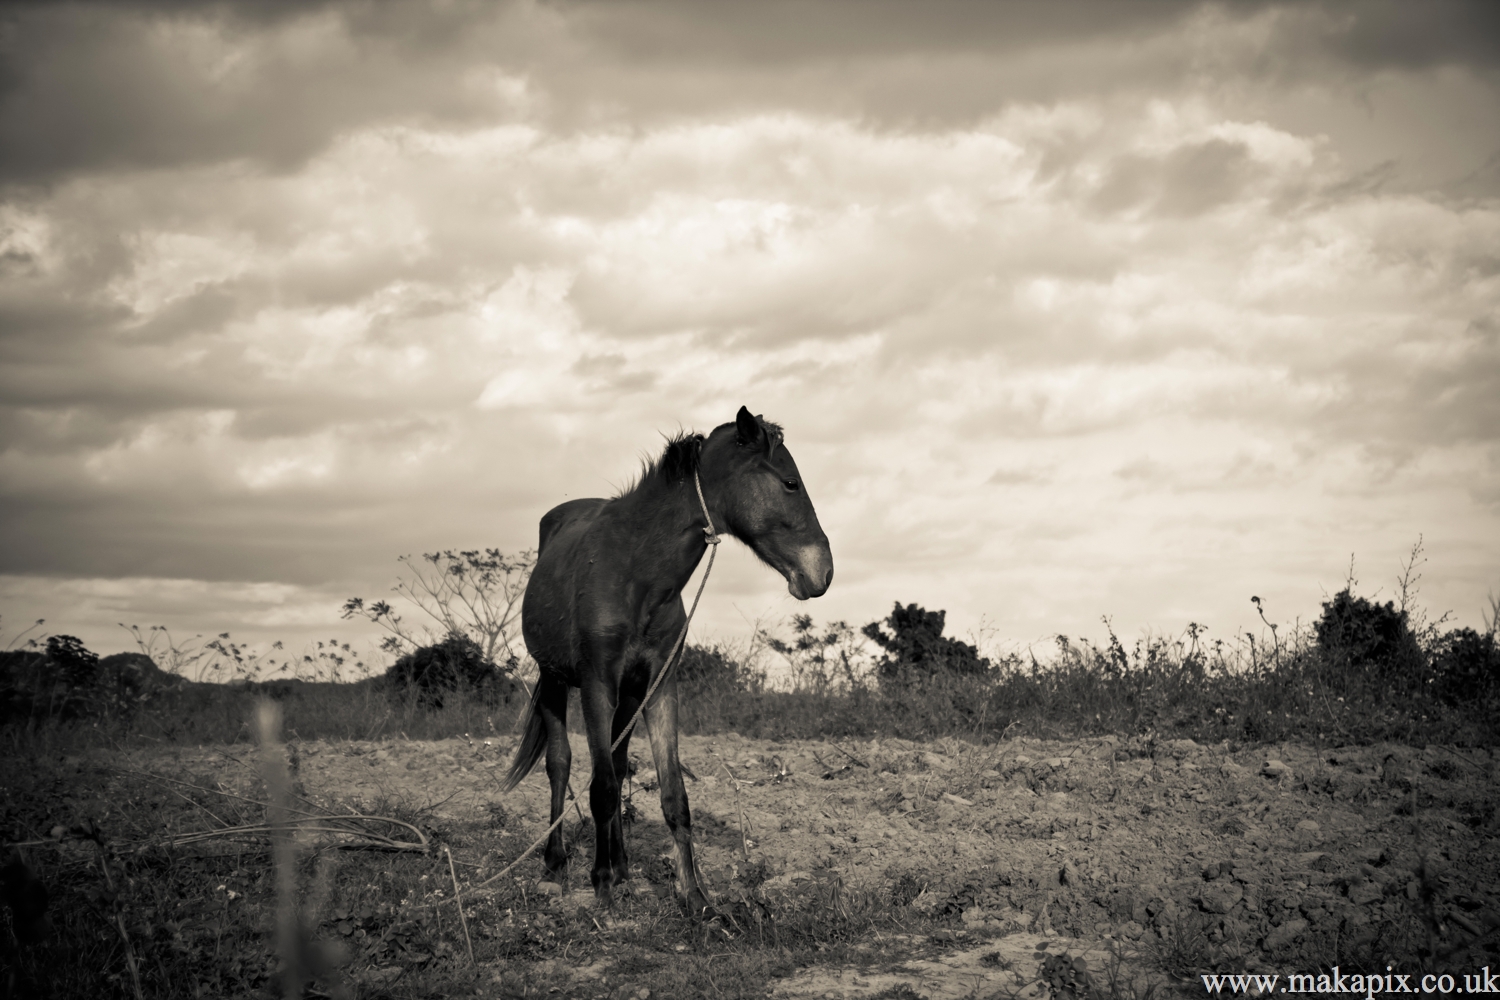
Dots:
pixel 201 920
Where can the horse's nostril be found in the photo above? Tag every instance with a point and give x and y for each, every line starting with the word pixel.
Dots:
pixel 828 578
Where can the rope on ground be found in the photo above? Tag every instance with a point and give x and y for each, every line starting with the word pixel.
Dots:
pixel 350 829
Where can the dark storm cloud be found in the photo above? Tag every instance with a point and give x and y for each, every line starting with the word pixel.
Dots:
pixel 1381 34
pixel 95 87
pixel 90 87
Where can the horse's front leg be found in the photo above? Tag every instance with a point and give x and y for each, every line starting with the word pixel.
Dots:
pixel 661 723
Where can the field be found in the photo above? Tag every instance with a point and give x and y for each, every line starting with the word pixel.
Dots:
pixel 858 868
pixel 1109 823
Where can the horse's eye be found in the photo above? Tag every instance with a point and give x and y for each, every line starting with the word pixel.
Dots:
pixel 790 484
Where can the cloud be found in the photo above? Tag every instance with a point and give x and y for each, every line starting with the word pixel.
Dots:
pixel 287 293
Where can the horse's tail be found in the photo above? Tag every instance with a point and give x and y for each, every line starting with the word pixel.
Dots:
pixel 533 741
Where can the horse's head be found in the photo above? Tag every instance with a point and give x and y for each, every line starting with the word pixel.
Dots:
pixel 766 505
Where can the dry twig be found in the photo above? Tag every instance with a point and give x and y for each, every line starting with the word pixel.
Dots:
pixel 458 898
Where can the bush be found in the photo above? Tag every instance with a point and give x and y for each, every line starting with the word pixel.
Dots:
pixel 456 663
pixel 708 666
pixel 1367 637
pixel 918 649
pixel 69 681
pixel 77 665
pixel 1466 667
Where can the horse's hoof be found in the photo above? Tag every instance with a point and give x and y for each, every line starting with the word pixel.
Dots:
pixel 699 908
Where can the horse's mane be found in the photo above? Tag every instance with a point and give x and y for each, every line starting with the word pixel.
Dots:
pixel 679 459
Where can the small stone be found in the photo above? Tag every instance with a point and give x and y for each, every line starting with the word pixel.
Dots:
pixel 550 888
pixel 1274 769
pixel 1285 934
pixel 1309 858
pixel 1361 893
pixel 1132 930
pixel 957 799
pixel 1308 826
pixel 1221 897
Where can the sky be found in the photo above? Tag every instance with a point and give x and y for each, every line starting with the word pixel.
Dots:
pixel 1125 309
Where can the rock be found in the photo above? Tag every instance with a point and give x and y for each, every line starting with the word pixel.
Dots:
pixel 1275 769
pixel 1308 826
pixel 1361 893
pixel 1132 930
pixel 1309 859
pixel 1285 934
pixel 927 901
pixel 934 760
pixel 1220 897
pixel 1056 762
pixel 380 976
pixel 550 888
pixel 957 799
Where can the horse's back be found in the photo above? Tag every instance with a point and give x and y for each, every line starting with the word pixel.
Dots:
pixel 574 513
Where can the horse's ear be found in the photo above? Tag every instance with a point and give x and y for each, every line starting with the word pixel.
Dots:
pixel 747 429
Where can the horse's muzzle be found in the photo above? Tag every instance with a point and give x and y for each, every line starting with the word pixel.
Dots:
pixel 813 573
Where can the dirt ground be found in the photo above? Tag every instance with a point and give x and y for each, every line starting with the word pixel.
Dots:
pixel 1277 859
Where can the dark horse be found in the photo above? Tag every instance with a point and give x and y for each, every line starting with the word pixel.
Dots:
pixel 604 607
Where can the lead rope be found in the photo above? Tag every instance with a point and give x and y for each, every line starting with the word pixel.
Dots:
pixel 712 538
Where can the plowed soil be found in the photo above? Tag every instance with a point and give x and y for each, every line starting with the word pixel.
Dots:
pixel 1276 859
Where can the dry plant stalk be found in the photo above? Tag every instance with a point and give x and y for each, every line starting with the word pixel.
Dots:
pixel 738 806
pixel 283 849
pixel 303 959
pixel 458 899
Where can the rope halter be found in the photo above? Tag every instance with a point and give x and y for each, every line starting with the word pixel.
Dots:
pixel 709 534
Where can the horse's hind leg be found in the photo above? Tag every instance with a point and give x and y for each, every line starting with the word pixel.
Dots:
pixel 552 706
pixel 661 722
pixel 599 705
pixel 619 862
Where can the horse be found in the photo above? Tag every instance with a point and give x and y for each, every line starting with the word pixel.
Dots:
pixel 603 611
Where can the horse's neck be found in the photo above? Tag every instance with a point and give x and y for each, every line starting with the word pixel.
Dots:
pixel 669 520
